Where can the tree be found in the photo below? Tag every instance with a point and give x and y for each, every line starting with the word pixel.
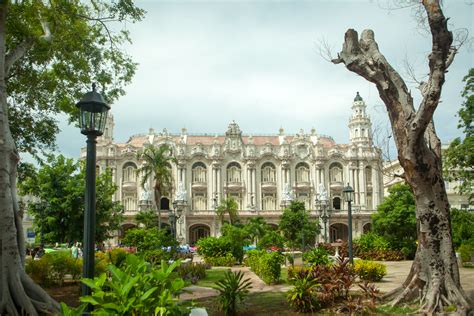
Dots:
pixel 59 186
pixel 228 206
pixel 147 218
pixel 256 228
pixel 395 219
pixel 459 157
pixel 463 227
pixel 295 223
pixel 49 52
pixel 156 166
pixel 434 272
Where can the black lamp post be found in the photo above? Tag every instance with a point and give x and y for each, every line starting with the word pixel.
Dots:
pixel 92 118
pixel 325 215
pixel 348 193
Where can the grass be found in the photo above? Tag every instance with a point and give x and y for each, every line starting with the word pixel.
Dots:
pixel 284 276
pixel 212 276
pixel 396 310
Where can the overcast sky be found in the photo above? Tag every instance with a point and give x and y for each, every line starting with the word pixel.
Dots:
pixel 203 64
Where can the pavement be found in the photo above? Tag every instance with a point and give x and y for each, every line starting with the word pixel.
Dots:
pixel 397 271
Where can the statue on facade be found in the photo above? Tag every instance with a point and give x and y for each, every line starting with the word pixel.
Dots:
pixel 146 194
pixel 181 192
pixel 287 194
pixel 323 194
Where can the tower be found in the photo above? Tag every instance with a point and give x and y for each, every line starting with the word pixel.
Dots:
pixel 108 135
pixel 360 127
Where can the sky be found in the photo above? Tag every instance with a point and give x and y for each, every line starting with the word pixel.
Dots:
pixel 203 64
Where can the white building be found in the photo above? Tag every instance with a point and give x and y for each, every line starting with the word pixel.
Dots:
pixel 261 172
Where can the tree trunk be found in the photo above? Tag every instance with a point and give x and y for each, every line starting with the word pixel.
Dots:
pixel 158 206
pixel 434 276
pixel 18 293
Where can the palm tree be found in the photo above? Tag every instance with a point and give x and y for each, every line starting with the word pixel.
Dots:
pixel 256 227
pixel 228 206
pixel 157 166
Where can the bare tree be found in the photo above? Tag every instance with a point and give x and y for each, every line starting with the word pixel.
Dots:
pixel 434 275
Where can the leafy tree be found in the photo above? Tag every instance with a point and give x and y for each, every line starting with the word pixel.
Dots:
pixel 295 224
pixel 50 51
pixel 147 218
pixel 395 219
pixel 270 239
pixel 228 206
pixel 256 228
pixel 238 238
pixel 459 157
pixel 157 167
pixel 59 185
pixel 462 222
pixel 419 153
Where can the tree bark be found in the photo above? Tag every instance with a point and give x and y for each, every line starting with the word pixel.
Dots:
pixel 434 275
pixel 18 293
pixel 158 206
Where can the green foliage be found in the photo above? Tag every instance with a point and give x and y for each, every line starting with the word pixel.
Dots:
pixel 459 157
pixel 395 219
pixel 238 238
pixel 51 75
pixel 137 289
pixel 271 238
pixel 256 228
pixel 466 250
pixel 192 272
pixel 302 297
pixel 462 224
pixel 295 223
pixel 232 291
pixel 369 270
pixel 228 260
pixel 266 265
pixel 222 251
pixel 147 218
pixel 317 256
pixel 60 184
pixel 371 241
pixel 228 206
pixel 72 311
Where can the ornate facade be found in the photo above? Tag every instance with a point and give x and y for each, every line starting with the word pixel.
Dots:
pixel 262 173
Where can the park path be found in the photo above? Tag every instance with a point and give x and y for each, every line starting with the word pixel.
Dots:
pixel 397 272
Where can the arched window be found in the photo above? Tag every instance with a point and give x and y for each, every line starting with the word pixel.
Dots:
pixel 335 172
pixel 302 172
pixel 268 172
pixel 164 203
pixel 129 172
pixel 268 201
pixel 234 172
pixel 199 172
pixel 199 202
pixel 130 202
pixel 368 175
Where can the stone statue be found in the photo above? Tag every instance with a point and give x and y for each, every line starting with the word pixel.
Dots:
pixel 181 192
pixel 323 194
pixel 145 195
pixel 287 194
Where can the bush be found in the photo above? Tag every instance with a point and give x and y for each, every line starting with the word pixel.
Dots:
pixel 53 267
pixel 369 270
pixel 232 290
pixel 371 241
pixel 225 261
pixel 297 272
pixel 316 256
pixel 214 247
pixel 39 271
pixel 266 265
pixel 192 272
pixel 465 251
pixel 302 297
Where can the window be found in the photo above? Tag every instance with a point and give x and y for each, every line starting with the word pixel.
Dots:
pixel 233 172
pixel 268 172
pixel 129 172
pixel 130 202
pixel 368 175
pixel 336 203
pixel 268 201
pixel 199 172
pixel 302 172
pixel 199 201
pixel 335 172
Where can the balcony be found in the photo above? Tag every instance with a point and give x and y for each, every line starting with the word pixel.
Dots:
pixel 199 186
pixel 129 186
pixel 336 186
pixel 269 186
pixel 303 185
pixel 235 186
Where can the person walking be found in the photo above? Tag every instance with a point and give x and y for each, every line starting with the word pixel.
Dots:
pixel 75 250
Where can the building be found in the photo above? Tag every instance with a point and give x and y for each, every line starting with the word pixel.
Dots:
pixel 262 172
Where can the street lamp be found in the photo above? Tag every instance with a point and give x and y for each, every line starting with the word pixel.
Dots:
pixel 92 118
pixel 177 215
pixel 325 213
pixel 348 193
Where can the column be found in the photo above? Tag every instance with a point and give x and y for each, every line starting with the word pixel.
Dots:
pixel 362 184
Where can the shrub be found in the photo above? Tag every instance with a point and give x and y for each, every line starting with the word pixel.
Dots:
pixel 302 297
pixel 266 265
pixel 192 272
pixel 371 241
pixel 297 272
pixel 225 261
pixel 53 267
pixel 369 270
pixel 465 251
pixel 39 271
pixel 136 288
pixel 317 256
pixel 214 247
pixel 232 290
